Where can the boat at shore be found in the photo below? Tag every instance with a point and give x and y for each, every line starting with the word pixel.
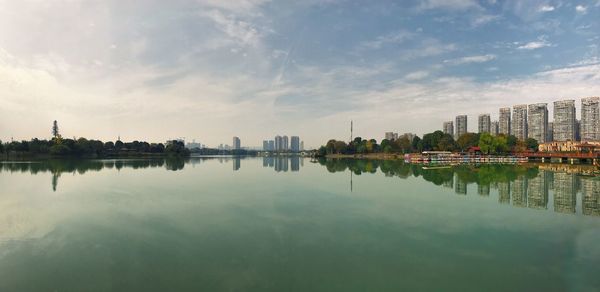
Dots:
pixel 444 157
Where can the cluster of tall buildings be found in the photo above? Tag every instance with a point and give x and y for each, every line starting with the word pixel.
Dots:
pixel 532 121
pixel 284 144
pixel 395 136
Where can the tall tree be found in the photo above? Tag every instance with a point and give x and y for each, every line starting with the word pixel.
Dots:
pixel 55 132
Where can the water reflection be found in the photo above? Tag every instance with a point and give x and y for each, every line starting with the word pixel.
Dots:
pixel 283 163
pixel 535 186
pixel 58 167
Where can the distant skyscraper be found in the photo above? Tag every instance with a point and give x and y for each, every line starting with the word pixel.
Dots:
pixel 448 128
pixel 301 145
pixel 577 130
pixel 519 121
pixel 550 136
pixel 537 124
pixel 494 130
pixel 295 144
pixel 461 125
pixel 504 121
pixel 278 143
pixel 485 123
pixel 590 119
pixel 391 136
pixel 271 145
pixel 285 143
pixel 265 145
pixel 237 145
pixel 564 120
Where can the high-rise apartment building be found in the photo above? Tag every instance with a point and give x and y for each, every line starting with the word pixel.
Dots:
pixel 494 130
pixel 237 144
pixel 519 121
pixel 504 121
pixel 537 124
pixel 295 144
pixel 550 136
pixel 278 143
pixel 590 119
pixel 485 123
pixel 448 128
pixel 564 120
pixel 285 143
pixel 461 125
pixel 391 136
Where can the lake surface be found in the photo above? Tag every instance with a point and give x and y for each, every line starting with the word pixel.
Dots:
pixel 292 224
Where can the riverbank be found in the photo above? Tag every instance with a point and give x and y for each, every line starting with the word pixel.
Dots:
pixel 27 156
pixel 378 156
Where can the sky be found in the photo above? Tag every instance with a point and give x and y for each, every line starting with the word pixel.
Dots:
pixel 212 69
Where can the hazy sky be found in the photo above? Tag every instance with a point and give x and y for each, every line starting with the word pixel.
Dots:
pixel 212 69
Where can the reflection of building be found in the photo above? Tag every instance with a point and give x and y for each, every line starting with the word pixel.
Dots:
pixel 504 192
pixel 460 186
pixel 236 163
pixel 281 164
pixel 537 124
pixel 295 163
pixel 537 191
pixel 449 183
pixel 504 121
pixel 519 192
pixel 564 120
pixel 483 190
pixel 519 121
pixel 268 161
pixel 564 192
pixel 590 192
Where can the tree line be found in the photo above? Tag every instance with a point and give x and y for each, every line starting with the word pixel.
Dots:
pixel 436 141
pixel 59 146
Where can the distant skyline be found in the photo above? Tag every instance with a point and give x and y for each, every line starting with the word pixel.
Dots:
pixel 212 69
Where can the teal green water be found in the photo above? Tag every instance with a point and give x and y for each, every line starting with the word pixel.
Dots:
pixel 294 225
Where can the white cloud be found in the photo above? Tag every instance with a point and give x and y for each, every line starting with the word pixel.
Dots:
pixel 546 8
pixel 241 31
pixel 457 5
pixel 417 75
pixel 471 59
pixel 581 9
pixel 483 19
pixel 390 38
pixel 540 43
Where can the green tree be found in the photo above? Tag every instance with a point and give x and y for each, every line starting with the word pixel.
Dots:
pixel 339 147
pixel 55 132
pixel 403 144
pixel 487 143
pixel 446 143
pixel 532 144
pixel 467 140
pixel 417 144
pixel 1 147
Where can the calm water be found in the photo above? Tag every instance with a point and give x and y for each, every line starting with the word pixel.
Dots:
pixel 294 225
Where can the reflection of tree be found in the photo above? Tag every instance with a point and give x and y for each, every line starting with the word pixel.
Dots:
pixel 55 176
pixel 82 166
pixel 526 184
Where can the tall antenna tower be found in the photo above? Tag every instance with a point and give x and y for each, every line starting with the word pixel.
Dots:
pixel 351 134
